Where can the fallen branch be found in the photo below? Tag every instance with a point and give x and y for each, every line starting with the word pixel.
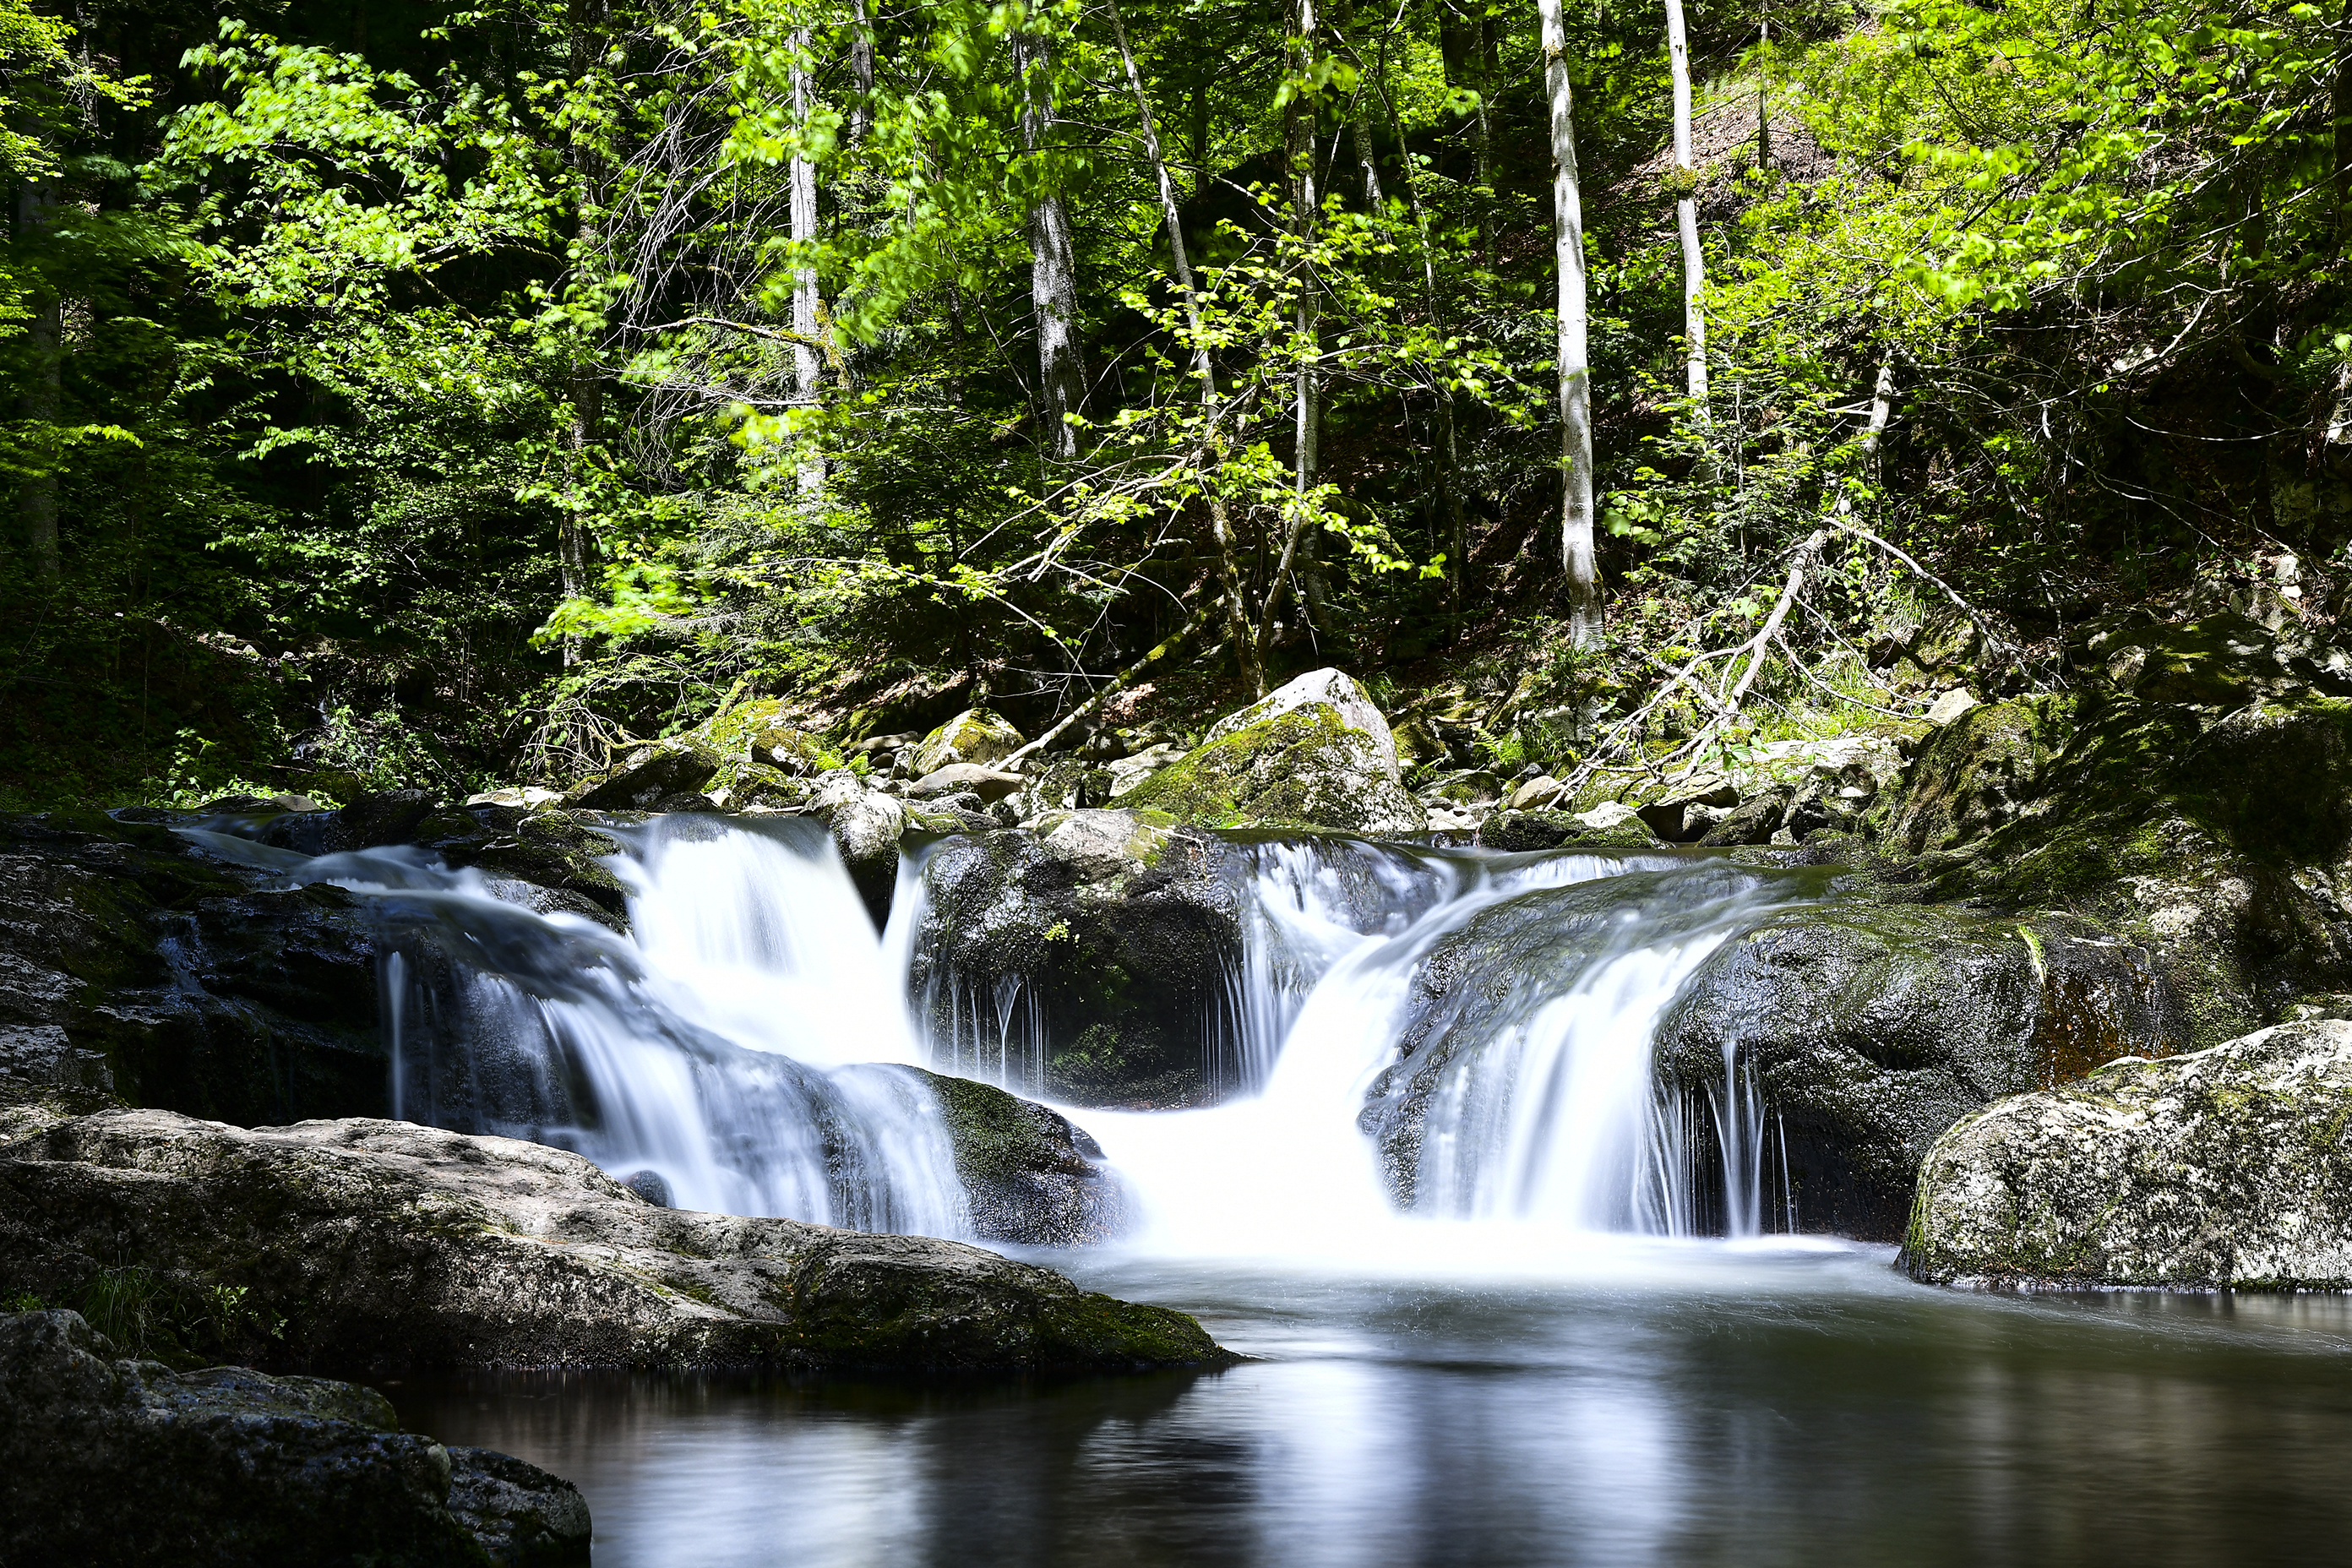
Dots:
pixel 1799 567
pixel 1993 638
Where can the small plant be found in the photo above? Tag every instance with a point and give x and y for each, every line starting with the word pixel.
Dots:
pixel 130 1306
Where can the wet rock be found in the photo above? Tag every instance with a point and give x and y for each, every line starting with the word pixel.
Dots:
pixel 1032 1179
pixel 1325 688
pixel 645 776
pixel 1109 934
pixel 2228 1168
pixel 867 824
pixel 117 1461
pixel 380 1244
pixel 1304 766
pixel 547 850
pixel 976 736
pixel 1610 825
pixel 369 822
pixel 1869 1030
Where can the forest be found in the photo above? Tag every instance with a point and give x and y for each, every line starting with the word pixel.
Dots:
pixel 408 395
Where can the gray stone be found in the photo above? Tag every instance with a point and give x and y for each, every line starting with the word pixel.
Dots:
pixel 2230 1167
pixel 380 1244
pixel 1304 766
pixel 1329 687
pixel 974 735
pixel 1946 709
pixel 116 1462
pixel 990 784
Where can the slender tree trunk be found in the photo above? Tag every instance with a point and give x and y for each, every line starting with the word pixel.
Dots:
pixel 1882 408
pixel 37 495
pixel 808 323
pixel 1306 204
pixel 2340 110
pixel 1763 95
pixel 861 70
pixel 1204 370
pixel 586 19
pixel 1053 265
pixel 1686 212
pixel 1583 571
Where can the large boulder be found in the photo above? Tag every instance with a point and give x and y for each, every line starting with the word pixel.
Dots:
pixel 1328 687
pixel 120 1461
pixel 1868 1030
pixel 2229 1168
pixel 1303 767
pixel 1107 935
pixel 866 825
pixel 378 1244
pixel 975 735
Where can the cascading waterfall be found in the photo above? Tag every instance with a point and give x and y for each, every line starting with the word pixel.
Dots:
pixel 743 1048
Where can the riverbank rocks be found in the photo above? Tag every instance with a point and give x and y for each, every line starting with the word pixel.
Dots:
pixel 1868 1030
pixel 2227 1168
pixel 116 1462
pixel 867 824
pixel 1031 1178
pixel 1104 937
pixel 365 1243
pixel 1611 825
pixel 1301 757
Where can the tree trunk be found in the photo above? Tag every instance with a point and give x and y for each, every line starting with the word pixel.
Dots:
pixel 1686 213
pixel 1575 368
pixel 1204 369
pixel 1466 47
pixel 1306 206
pixel 37 495
pixel 1882 408
pixel 585 20
pixel 861 70
pixel 808 325
pixel 1052 266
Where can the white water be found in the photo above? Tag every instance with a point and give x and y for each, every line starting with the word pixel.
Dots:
pixel 744 1044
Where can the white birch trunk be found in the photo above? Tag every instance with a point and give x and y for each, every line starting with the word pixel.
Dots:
pixel 1686 210
pixel 808 367
pixel 1583 571
pixel 1053 265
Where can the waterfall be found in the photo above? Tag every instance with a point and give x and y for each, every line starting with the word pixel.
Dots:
pixel 742 1051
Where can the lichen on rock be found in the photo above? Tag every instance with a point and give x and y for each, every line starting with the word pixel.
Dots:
pixel 1304 767
pixel 2230 1167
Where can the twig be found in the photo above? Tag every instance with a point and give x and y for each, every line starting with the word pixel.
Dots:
pixel 1117 683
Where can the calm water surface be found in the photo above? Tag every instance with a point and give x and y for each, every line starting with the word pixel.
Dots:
pixel 1652 1403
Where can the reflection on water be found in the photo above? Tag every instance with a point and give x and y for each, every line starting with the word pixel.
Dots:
pixel 1666 1404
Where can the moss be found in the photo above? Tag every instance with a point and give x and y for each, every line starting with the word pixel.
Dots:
pixel 1275 772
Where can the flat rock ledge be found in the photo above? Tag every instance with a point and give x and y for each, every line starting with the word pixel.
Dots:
pixel 380 1244
pixel 2229 1168
pixel 115 1460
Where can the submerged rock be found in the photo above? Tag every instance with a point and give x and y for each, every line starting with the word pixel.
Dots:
pixel 378 1244
pixel 1107 933
pixel 116 1462
pixel 1031 1177
pixel 1867 1031
pixel 2226 1168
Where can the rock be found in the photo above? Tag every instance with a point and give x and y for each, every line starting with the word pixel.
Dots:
pixel 382 1245
pixel 1946 709
pixel 126 1462
pixel 1327 687
pixel 975 736
pixel 1031 1177
pixel 1536 794
pixel 646 778
pixel 1610 825
pixel 1112 933
pixel 560 856
pixel 1869 1030
pixel 369 822
pixel 524 799
pixel 1130 771
pixel 1753 821
pixel 989 784
pixel 522 1516
pixel 2229 1168
pixel 1980 772
pixel 1304 766
pixel 1464 786
pixel 1675 812
pixel 762 735
pixel 865 824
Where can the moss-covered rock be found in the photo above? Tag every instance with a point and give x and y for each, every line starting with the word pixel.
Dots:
pixel 1030 1177
pixel 1305 767
pixel 120 1461
pixel 2230 1168
pixel 1522 831
pixel 1869 1030
pixel 1112 933
pixel 976 736
pixel 378 1244
pixel 665 775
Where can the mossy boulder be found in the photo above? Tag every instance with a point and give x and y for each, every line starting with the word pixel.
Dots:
pixel 2228 1168
pixel 1523 831
pixel 976 736
pixel 1868 1030
pixel 1031 1178
pixel 663 775
pixel 116 1462
pixel 369 1243
pixel 1305 767
pixel 1108 936
pixel 764 733
pixel 1331 689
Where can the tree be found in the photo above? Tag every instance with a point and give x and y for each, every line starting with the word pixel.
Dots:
pixel 1578 557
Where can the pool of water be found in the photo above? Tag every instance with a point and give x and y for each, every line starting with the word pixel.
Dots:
pixel 1645 1403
